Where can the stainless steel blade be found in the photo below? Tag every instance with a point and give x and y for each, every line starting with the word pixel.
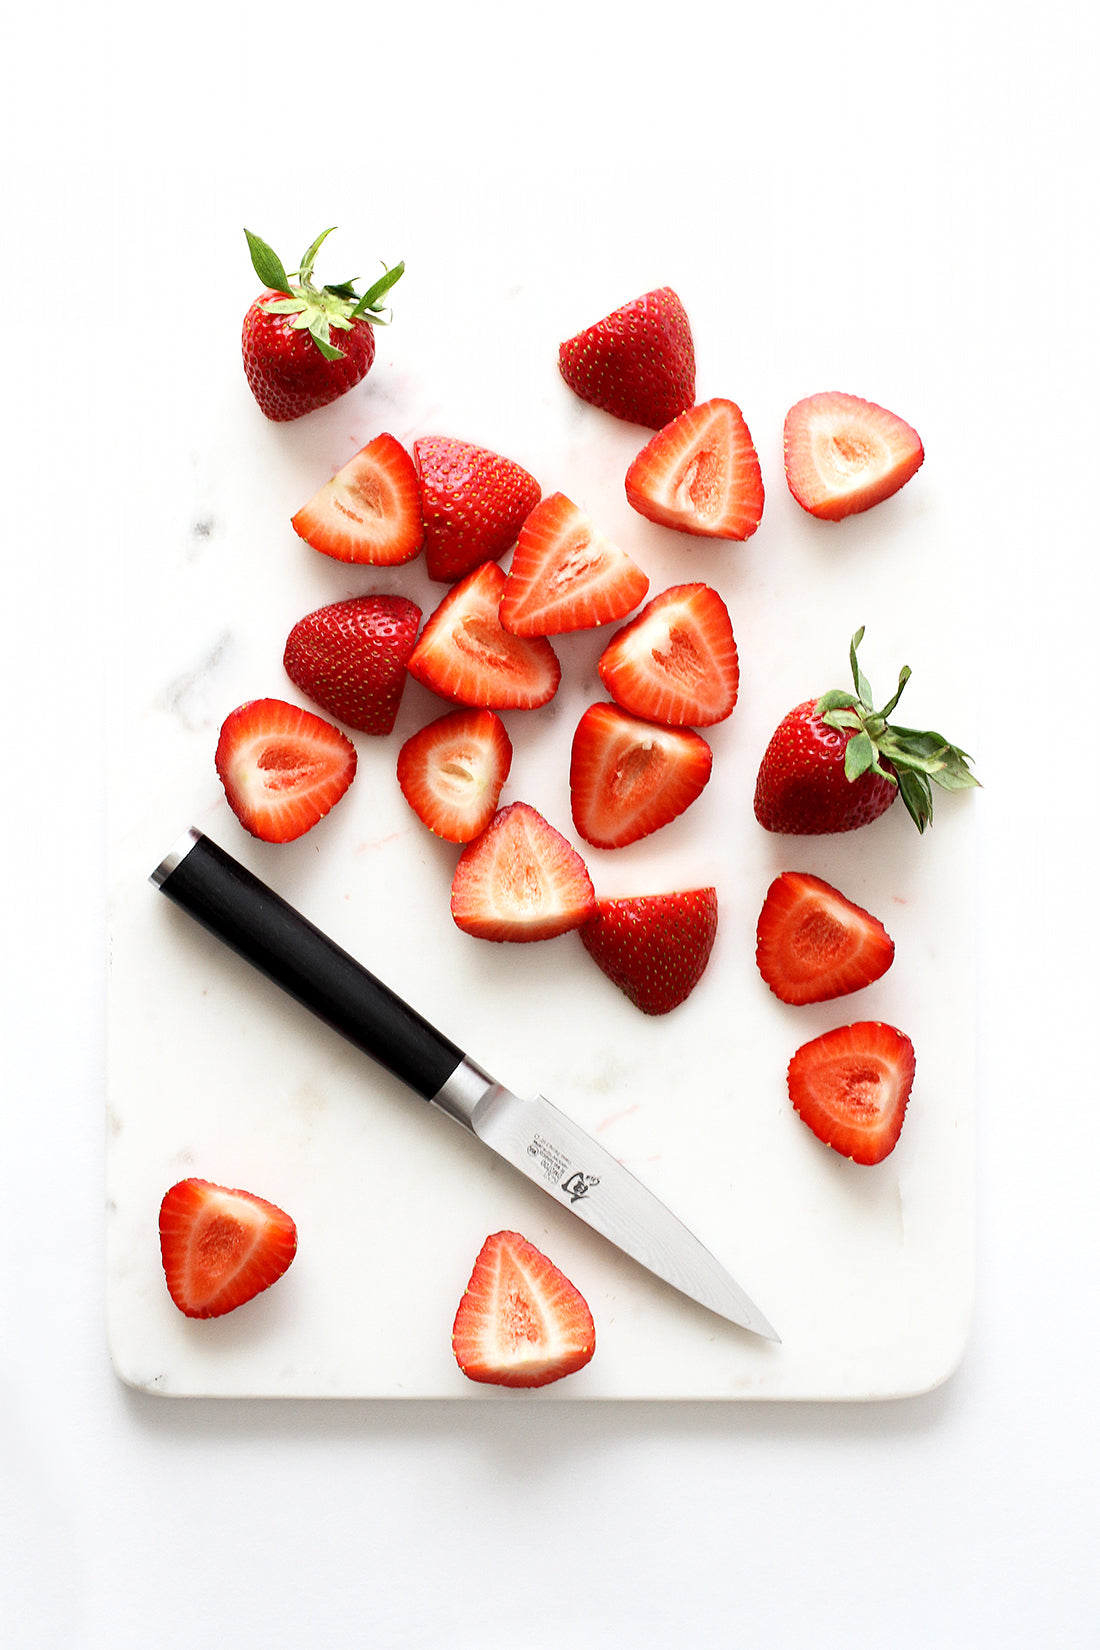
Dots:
pixel 556 1154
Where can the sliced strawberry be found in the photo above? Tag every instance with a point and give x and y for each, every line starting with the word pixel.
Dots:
pixel 851 1087
pixel 700 474
pixel 282 768
pixel 677 661
pixel 465 653
pixel 350 658
pixel 656 946
pixel 221 1247
pixel 627 777
pixel 370 510
pixel 452 772
pixel 638 363
pixel 813 944
pixel 520 880
pixel 843 454
pixel 520 1322
pixel 473 503
pixel 567 575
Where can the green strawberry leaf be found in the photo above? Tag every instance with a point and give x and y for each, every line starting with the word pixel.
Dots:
pixel 305 269
pixel 859 755
pixel 370 298
pixel 916 793
pixel 266 263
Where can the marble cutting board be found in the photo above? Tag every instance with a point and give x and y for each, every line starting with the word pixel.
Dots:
pixel 867 1274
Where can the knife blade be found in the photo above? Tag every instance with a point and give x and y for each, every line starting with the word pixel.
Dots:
pixel 533 1135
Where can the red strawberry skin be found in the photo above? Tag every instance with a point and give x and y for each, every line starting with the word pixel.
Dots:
pixel 852 1088
pixel 638 363
pixel 520 1322
pixel 814 944
pixel 700 475
pixel 287 373
pixel 843 455
pixel 282 768
pixel 677 661
pixel 465 654
pixel 473 502
pixel 350 658
pixel 654 947
pixel 221 1247
pixel 520 881
pixel 452 772
pixel 628 778
pixel 369 512
pixel 801 787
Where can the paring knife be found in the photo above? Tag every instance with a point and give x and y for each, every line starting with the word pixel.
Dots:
pixel 531 1134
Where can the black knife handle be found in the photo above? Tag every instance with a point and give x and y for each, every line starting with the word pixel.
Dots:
pixel 261 927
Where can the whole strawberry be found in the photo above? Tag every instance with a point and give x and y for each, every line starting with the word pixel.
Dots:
pixel 303 345
pixel 834 764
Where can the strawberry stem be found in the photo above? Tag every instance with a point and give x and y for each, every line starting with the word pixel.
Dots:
pixel 910 759
pixel 319 311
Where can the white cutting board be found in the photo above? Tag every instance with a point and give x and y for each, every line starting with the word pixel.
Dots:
pixel 866 1273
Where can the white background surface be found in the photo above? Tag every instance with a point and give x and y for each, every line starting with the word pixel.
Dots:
pixel 930 179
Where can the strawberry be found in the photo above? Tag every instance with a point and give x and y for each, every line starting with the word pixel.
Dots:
pixel 369 512
pixel 700 474
pixel 566 575
pixel 465 654
pixel 638 363
pixel 677 661
pixel 452 772
pixel 473 501
pixel 834 763
pixel 350 658
pixel 291 361
pixel 627 777
pixel 282 768
pixel 520 880
pixel 851 1087
pixel 520 1322
pixel 221 1247
pixel 656 946
pixel 813 944
pixel 842 455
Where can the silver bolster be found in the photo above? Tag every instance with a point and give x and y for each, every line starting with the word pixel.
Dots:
pixel 465 1091
pixel 179 851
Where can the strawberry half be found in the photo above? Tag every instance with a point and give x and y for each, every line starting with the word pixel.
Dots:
pixel 700 474
pixel 221 1247
pixel 835 764
pixel 843 455
pixel 852 1086
pixel 520 1321
pixel 369 512
pixel 654 947
pixel 304 346
pixel 473 503
pixel 465 653
pixel 566 575
pixel 628 778
pixel 282 768
pixel 638 363
pixel 677 661
pixel 452 772
pixel 350 658
pixel 520 880
pixel 813 944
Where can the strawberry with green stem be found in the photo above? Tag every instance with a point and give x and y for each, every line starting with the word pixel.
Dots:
pixel 836 763
pixel 304 345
